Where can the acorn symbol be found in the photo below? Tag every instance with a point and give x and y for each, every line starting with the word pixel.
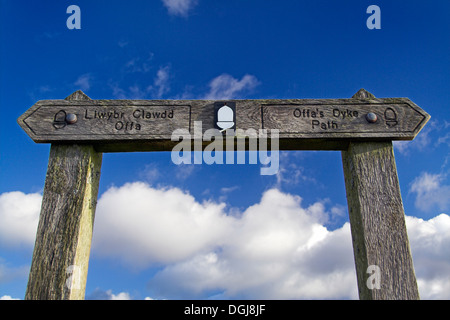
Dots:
pixel 225 117
pixel 391 117
pixel 59 121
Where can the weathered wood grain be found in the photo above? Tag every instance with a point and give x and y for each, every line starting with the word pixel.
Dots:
pixel 63 239
pixel 332 120
pixel 375 207
pixel 377 221
pixel 150 123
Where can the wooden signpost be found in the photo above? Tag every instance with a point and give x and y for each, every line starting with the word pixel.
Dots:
pixel 363 128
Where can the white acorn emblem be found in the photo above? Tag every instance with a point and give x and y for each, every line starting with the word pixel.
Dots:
pixel 225 116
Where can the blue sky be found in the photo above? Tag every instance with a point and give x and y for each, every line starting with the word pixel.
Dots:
pixel 240 245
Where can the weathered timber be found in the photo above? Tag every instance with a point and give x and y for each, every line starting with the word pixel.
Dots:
pixel 63 239
pixel 80 128
pixel 147 125
pixel 377 221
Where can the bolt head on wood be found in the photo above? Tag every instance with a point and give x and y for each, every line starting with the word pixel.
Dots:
pixel 71 118
pixel 149 124
pixel 371 117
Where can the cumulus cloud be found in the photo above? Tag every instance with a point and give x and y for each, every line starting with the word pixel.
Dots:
pixel 277 248
pixel 179 7
pixel 19 216
pixel 142 225
pixel 274 249
pixel 431 192
pixel 309 271
pixel 227 87
pixel 430 247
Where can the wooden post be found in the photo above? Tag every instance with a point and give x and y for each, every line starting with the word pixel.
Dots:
pixel 362 127
pixel 63 240
pixel 377 218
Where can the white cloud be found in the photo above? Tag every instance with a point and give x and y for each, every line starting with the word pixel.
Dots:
pixel 430 191
pixel 444 139
pixel 275 249
pixel 225 191
pixel 84 82
pixel 5 297
pixel 161 83
pixel 19 216
pixel 99 294
pixel 227 87
pixel 430 247
pixel 179 7
pixel 121 296
pixel 274 244
pixel 142 225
